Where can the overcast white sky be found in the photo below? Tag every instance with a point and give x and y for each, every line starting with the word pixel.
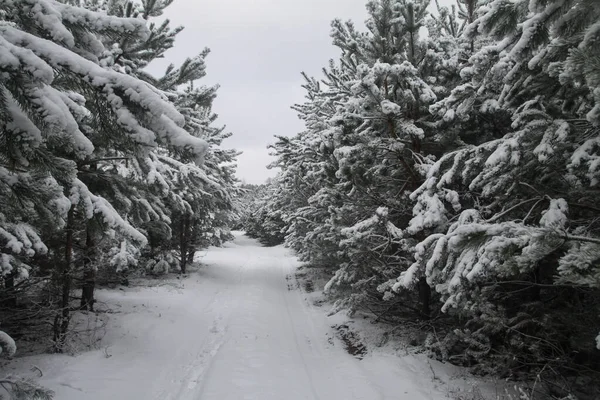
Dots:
pixel 258 49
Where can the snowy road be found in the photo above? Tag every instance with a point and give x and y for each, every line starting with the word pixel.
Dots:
pixel 240 329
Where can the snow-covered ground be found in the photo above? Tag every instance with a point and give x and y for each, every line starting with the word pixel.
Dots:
pixel 240 328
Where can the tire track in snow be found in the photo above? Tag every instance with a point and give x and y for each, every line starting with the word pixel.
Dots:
pixel 296 340
pixel 193 385
pixel 190 386
pixel 350 380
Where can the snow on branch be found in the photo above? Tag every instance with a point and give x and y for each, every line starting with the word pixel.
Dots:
pixel 52 16
pixel 162 115
pixel 93 204
pixel 7 345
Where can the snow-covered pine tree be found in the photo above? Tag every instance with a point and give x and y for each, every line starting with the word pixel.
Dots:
pixel 117 180
pixel 181 192
pixel 64 101
pixel 516 253
pixel 393 75
pixel 210 216
pixel 345 180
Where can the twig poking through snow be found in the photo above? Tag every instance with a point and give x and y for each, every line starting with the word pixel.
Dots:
pixel 36 368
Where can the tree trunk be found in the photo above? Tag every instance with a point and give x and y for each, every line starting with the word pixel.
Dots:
pixel 62 319
pixel 425 298
pixel 11 297
pixel 184 242
pixel 89 274
pixel 471 8
pixel 534 292
pixel 87 292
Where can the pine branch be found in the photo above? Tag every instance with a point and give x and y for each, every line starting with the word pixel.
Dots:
pixel 577 238
pixel 97 160
pixel 503 213
pixel 25 389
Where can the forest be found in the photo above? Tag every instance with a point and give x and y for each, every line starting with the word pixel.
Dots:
pixel 446 181
pixel 104 169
